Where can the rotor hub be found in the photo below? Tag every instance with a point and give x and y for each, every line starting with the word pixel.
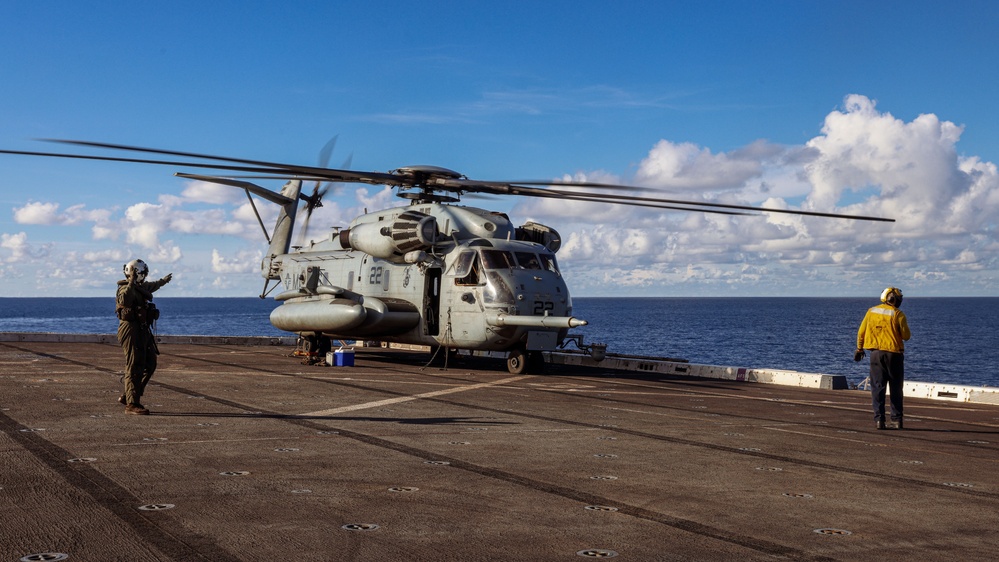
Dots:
pixel 427 196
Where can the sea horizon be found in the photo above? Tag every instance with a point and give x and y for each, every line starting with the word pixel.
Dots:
pixel 954 339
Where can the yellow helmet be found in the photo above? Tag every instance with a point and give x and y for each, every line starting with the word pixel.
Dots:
pixel 892 296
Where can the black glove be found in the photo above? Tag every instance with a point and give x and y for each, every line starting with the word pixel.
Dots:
pixel 859 354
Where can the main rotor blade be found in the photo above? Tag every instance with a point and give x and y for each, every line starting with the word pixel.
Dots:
pixel 597 198
pixel 259 170
pixel 376 178
pixel 437 183
pixel 610 186
pixel 610 197
pixel 655 202
pixel 267 194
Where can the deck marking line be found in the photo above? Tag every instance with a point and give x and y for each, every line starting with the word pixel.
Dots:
pixel 389 401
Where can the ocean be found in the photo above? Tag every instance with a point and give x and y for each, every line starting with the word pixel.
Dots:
pixel 954 340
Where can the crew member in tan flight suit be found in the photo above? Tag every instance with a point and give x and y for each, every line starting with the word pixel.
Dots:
pixel 136 313
pixel 883 332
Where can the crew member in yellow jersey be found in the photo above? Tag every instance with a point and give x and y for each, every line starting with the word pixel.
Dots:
pixel 883 332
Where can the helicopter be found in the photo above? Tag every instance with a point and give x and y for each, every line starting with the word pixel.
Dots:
pixel 428 273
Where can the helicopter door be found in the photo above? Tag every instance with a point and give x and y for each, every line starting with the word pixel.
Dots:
pixel 432 301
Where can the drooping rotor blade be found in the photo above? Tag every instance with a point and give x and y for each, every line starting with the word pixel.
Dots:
pixel 263 192
pixel 259 170
pixel 609 197
pixel 429 180
pixel 525 188
pixel 597 198
pixel 375 178
pixel 610 186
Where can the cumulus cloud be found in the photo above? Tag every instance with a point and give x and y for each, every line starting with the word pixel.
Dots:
pixel 206 192
pixel 18 249
pixel 114 255
pixel 37 213
pixel 383 198
pixel 678 167
pixel 913 168
pixel 165 253
pixel 864 161
pixel 243 262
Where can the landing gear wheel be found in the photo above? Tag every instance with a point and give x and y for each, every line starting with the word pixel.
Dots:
pixel 316 347
pixel 517 361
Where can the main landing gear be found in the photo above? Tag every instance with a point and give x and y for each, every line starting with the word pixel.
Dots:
pixel 314 348
pixel 520 362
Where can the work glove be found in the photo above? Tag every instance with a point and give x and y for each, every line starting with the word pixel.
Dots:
pixel 859 354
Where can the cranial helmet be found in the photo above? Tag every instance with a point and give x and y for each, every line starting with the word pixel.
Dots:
pixel 892 296
pixel 138 267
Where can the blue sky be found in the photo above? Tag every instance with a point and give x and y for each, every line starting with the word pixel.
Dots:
pixel 885 108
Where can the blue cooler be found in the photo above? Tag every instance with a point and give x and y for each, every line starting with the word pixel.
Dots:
pixel 341 358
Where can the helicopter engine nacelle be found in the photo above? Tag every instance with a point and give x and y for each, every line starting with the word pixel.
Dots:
pixel 541 234
pixel 410 231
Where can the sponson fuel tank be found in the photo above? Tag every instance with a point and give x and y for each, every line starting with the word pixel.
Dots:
pixel 339 315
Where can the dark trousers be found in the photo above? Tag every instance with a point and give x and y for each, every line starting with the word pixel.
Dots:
pixel 887 373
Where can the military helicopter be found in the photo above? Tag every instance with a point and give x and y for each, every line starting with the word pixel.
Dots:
pixel 430 273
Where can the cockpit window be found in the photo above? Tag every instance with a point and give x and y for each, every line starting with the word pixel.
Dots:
pixel 548 262
pixel 463 264
pixel 466 269
pixel 528 260
pixel 496 259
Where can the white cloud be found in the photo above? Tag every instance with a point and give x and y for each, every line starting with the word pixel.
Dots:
pixel 383 198
pixel 38 213
pixel 863 162
pixel 166 253
pixel 243 262
pixel 685 166
pixel 213 193
pixel 19 250
pixel 913 167
pixel 114 255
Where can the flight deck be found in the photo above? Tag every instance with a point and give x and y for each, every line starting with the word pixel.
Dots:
pixel 249 454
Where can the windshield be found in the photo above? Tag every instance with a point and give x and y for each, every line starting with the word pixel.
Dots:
pixel 528 260
pixel 497 259
pixel 501 259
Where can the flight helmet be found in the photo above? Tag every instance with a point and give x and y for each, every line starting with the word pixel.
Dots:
pixel 139 267
pixel 892 296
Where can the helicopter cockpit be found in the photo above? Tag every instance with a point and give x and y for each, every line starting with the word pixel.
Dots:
pixel 469 265
pixel 504 271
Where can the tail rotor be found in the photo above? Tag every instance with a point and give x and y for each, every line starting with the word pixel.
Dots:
pixel 319 189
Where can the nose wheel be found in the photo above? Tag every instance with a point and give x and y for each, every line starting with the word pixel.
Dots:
pixel 521 361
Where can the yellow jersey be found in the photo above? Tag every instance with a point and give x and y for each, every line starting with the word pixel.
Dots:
pixel 884 327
